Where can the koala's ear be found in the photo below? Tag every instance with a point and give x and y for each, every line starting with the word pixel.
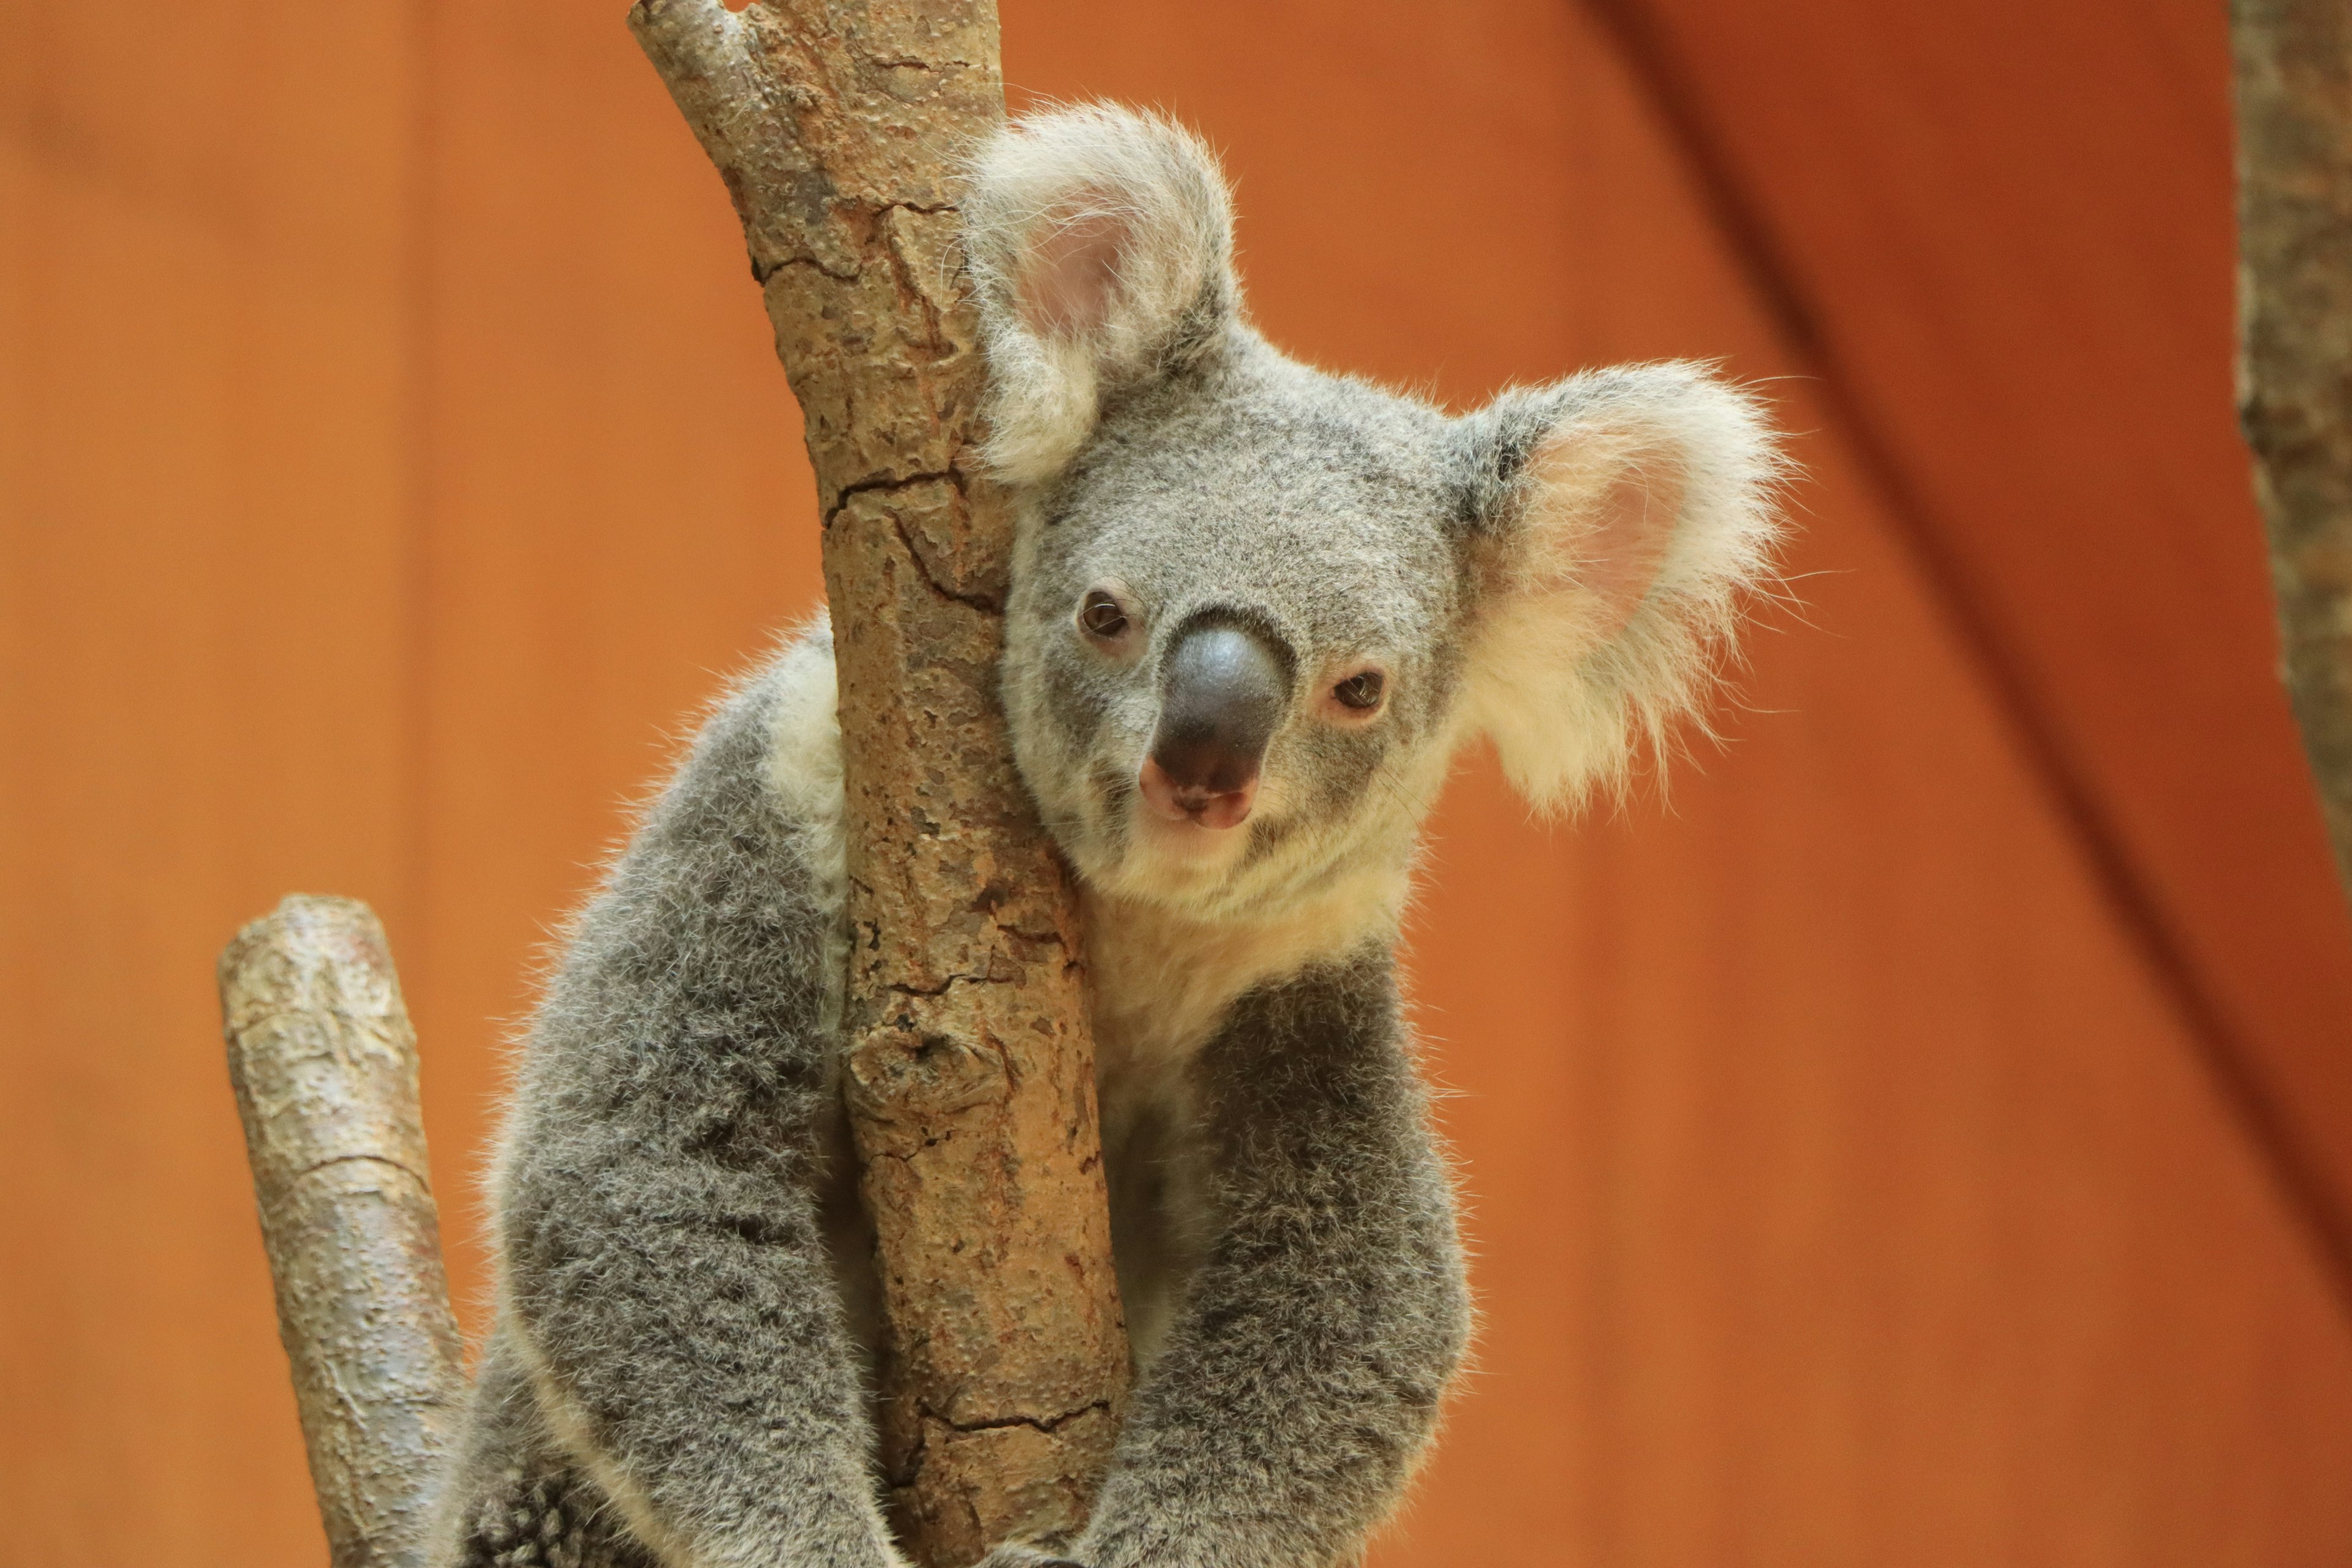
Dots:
pixel 1101 243
pixel 1615 518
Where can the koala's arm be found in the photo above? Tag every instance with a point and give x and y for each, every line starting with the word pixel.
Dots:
pixel 1303 1372
pixel 664 1277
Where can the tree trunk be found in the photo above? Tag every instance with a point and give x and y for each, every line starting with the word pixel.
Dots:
pixel 2295 366
pixel 838 127
pixel 324 1065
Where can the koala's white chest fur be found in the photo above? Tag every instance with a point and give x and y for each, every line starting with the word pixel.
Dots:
pixel 1162 983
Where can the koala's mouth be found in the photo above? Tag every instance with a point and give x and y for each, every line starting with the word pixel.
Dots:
pixel 1186 842
pixel 1197 803
pixel 1176 850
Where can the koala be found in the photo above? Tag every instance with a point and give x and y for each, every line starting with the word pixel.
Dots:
pixel 1257 611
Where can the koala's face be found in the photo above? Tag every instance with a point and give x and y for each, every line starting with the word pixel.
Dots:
pixel 1256 608
pixel 1235 644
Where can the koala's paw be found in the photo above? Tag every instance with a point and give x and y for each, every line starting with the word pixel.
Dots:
pixel 549 1521
pixel 1014 1554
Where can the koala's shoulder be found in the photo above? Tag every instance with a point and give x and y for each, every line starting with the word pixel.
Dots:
pixel 767 757
pixel 804 736
pixel 801 762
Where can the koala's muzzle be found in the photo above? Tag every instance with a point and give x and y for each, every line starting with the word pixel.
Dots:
pixel 1222 690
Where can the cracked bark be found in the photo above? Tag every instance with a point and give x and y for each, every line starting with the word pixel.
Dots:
pixel 2294 396
pixel 324 1065
pixel 836 126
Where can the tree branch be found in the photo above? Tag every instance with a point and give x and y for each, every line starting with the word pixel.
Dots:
pixel 324 1065
pixel 838 127
pixel 2295 366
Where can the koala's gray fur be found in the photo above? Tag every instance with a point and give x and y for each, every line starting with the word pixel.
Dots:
pixel 677 1374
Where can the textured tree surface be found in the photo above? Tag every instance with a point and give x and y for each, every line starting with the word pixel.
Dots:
pixel 2294 368
pixel 839 127
pixel 324 1065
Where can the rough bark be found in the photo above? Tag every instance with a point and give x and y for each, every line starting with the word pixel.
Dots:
pixel 2295 366
pixel 838 127
pixel 324 1065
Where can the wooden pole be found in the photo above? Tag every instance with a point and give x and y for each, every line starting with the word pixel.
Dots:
pixel 839 128
pixel 324 1065
pixel 2295 364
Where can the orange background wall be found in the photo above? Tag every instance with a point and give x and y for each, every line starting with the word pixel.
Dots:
pixel 1924 1136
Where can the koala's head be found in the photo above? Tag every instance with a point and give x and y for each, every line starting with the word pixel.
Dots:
pixel 1258 608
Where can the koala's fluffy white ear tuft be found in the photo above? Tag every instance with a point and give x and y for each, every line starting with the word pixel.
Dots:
pixel 1101 243
pixel 1618 517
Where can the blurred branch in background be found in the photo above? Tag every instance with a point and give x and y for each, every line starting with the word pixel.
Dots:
pixel 2295 365
pixel 324 1065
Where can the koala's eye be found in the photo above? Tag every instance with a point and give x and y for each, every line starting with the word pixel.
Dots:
pixel 1102 616
pixel 1362 690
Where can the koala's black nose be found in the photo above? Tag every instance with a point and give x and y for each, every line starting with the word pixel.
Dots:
pixel 1221 692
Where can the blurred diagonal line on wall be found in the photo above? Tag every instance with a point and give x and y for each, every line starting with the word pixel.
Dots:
pixel 2312 1168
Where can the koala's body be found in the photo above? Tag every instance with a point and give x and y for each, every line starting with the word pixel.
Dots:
pixel 1257 611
